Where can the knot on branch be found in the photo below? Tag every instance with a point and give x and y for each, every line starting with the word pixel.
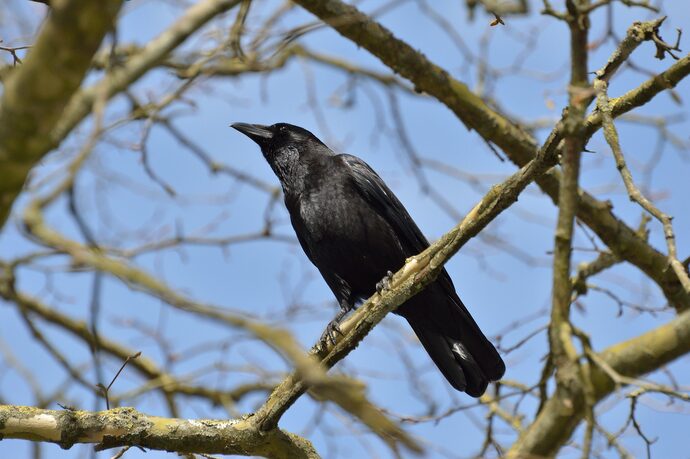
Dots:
pixel 649 31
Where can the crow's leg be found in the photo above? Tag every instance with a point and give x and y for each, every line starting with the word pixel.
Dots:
pixel 333 327
pixel 384 283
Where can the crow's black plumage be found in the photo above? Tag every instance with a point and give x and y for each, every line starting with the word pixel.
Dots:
pixel 354 229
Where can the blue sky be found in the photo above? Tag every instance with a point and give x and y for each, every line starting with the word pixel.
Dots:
pixel 499 283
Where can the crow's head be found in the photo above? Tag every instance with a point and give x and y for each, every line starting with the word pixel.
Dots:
pixel 277 136
pixel 286 147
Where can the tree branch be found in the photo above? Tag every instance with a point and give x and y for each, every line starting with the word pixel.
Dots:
pixel 36 93
pixel 129 427
pixel 633 358
pixel 564 356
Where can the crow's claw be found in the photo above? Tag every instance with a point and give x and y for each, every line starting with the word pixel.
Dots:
pixel 330 334
pixel 384 283
pixel 333 328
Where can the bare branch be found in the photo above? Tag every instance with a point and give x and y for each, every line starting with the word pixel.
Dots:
pixel 35 94
pixel 128 427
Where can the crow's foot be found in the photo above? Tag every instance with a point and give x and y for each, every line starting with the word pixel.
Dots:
pixel 384 283
pixel 330 334
pixel 333 328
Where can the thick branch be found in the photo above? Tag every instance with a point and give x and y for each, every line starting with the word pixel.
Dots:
pixel 564 357
pixel 633 358
pixel 35 95
pixel 127 426
pixel 567 195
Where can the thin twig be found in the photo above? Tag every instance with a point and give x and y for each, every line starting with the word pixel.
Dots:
pixel 105 389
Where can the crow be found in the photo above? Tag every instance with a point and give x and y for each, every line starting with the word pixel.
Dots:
pixel 355 231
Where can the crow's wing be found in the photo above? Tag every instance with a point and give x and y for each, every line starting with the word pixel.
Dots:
pixel 382 199
pixel 376 192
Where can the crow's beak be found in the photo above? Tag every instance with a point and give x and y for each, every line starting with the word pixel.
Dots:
pixel 256 132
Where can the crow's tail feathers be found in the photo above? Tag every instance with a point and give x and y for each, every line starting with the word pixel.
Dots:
pixel 467 359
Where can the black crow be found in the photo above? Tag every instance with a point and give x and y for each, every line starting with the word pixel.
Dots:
pixel 354 229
